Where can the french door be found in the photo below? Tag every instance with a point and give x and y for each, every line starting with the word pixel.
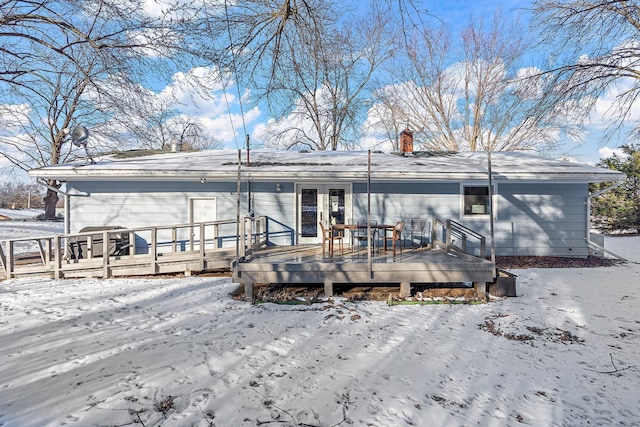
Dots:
pixel 326 203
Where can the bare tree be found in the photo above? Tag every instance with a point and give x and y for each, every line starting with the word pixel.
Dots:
pixel 74 62
pixel 326 81
pixel 252 37
pixel 474 95
pixel 386 116
pixel 595 53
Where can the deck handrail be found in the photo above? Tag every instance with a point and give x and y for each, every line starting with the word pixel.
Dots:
pixel 451 228
pixel 201 236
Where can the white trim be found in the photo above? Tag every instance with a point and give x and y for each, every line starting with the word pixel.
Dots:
pixel 323 192
pixel 494 199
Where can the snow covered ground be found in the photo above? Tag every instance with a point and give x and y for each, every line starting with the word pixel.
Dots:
pixel 181 352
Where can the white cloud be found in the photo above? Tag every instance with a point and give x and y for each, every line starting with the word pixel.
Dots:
pixel 606 152
pixel 201 95
pixel 607 109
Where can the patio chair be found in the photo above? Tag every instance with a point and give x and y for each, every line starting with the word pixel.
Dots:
pixel 420 231
pixel 395 236
pixel 329 235
pixel 360 233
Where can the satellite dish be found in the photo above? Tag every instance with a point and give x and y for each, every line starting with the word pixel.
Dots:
pixel 79 136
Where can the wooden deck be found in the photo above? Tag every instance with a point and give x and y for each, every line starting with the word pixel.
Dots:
pixel 182 248
pixel 255 261
pixel 307 265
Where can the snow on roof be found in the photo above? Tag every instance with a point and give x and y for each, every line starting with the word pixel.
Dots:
pixel 337 165
pixel 20 214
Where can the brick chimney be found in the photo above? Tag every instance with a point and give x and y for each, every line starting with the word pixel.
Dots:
pixel 406 141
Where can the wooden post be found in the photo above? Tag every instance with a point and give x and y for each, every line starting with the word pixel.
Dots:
pixel 89 247
pixel 202 240
pixel 105 254
pixel 328 289
pixel 154 249
pixel 3 260
pixel 57 268
pixel 243 248
pixel 248 291
pixel 481 289
pixel 174 239
pixel 10 260
pixel 132 244
pixel 405 289
pixel 259 230
pixel 49 250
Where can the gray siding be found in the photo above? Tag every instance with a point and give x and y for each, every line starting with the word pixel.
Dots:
pixel 139 204
pixel 542 219
pixel 532 218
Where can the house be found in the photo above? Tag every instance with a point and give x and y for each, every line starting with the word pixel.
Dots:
pixel 540 206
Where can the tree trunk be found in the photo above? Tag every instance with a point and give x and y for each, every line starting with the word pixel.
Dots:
pixel 50 202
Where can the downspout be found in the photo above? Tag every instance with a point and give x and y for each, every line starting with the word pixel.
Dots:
pixel 588 231
pixel 369 255
pixel 491 219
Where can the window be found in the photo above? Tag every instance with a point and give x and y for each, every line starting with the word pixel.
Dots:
pixel 476 200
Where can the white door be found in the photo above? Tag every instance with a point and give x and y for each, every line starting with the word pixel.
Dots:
pixel 326 203
pixel 202 210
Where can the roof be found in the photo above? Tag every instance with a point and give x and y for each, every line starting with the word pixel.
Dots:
pixel 19 214
pixel 222 165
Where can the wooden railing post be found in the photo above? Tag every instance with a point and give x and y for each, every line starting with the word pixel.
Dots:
pixel 89 247
pixel 3 259
pixel 202 244
pixel 243 246
pixel 57 268
pixel 154 249
pixel 174 239
pixel 132 244
pixel 105 254
pixel 49 250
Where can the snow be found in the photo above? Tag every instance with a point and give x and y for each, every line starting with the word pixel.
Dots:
pixel 181 352
pixel 268 165
pixel 20 214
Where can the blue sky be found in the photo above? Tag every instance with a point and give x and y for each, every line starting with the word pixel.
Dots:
pixel 592 144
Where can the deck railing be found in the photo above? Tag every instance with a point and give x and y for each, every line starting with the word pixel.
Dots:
pixel 445 234
pixel 54 254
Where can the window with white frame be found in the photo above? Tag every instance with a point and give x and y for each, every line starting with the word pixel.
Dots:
pixel 475 200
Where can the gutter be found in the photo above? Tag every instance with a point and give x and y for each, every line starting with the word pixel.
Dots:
pixel 588 237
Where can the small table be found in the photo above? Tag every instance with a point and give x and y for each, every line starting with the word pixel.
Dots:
pixel 340 228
